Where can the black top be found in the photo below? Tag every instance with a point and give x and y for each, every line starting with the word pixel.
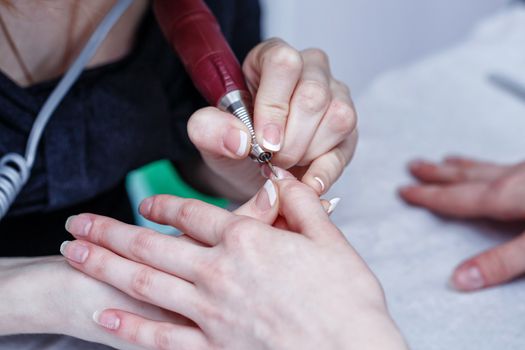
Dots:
pixel 116 118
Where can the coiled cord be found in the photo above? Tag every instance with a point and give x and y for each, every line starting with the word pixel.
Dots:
pixel 16 169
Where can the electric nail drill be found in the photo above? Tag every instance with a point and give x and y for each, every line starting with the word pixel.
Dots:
pixel 195 34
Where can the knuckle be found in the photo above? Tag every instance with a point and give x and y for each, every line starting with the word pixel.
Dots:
pixel 337 161
pixel 287 159
pixel 498 200
pixel 317 55
pixel 141 283
pixel 277 110
pixel 295 189
pixel 343 87
pixel 285 57
pixel 494 266
pixel 141 245
pixel 99 262
pixel 313 95
pixel 237 232
pixel 186 211
pixel 98 230
pixel 131 331
pixel 163 338
pixel 343 117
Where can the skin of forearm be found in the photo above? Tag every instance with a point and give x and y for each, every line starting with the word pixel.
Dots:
pixel 24 296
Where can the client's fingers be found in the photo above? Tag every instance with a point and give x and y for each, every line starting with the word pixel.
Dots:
pixel 495 266
pixel 169 254
pixel 139 281
pixel 200 220
pixel 464 200
pixel 263 206
pixel 455 169
pixel 150 334
pixel 302 210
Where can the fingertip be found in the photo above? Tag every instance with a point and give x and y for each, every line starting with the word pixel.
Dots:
pixel 107 319
pixel 266 197
pixel 467 277
pixel 236 143
pixel 145 206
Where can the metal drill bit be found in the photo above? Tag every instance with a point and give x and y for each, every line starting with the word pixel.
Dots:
pixel 272 169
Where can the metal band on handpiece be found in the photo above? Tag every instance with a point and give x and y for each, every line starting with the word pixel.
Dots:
pixel 239 103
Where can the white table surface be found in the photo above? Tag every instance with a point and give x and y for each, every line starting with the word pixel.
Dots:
pixel 439 106
pixel 442 105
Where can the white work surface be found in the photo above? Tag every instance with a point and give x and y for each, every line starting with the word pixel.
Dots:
pixel 440 106
pixel 443 105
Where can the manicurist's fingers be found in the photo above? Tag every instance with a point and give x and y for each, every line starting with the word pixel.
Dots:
pixel 219 134
pixel 137 280
pixel 173 255
pixel 308 105
pixel 325 170
pixel 150 334
pixel 455 169
pixel 272 69
pixel 338 123
pixel 200 220
pixel 495 266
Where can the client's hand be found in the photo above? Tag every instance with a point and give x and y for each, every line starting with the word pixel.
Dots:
pixel 466 188
pixel 245 284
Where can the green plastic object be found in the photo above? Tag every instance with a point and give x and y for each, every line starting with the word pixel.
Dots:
pixel 161 177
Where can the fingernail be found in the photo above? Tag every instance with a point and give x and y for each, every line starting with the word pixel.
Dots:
pixel 236 141
pixel 63 247
pixel 281 174
pixel 272 138
pixel 333 204
pixel 266 198
pixel 75 252
pixel 107 320
pixel 145 206
pixel 467 279
pixel 321 183
pixel 79 225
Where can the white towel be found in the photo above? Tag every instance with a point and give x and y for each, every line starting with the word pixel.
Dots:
pixel 443 105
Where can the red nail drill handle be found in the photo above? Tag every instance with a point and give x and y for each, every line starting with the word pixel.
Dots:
pixel 195 35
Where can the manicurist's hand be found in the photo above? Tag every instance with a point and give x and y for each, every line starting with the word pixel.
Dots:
pixel 466 188
pixel 302 113
pixel 244 283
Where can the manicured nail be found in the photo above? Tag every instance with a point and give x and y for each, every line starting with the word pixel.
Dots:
pixel 281 174
pixel 321 183
pixel 107 320
pixel 333 204
pixel 236 141
pixel 63 247
pixel 74 251
pixel 272 138
pixel 79 225
pixel 467 279
pixel 145 206
pixel 267 197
